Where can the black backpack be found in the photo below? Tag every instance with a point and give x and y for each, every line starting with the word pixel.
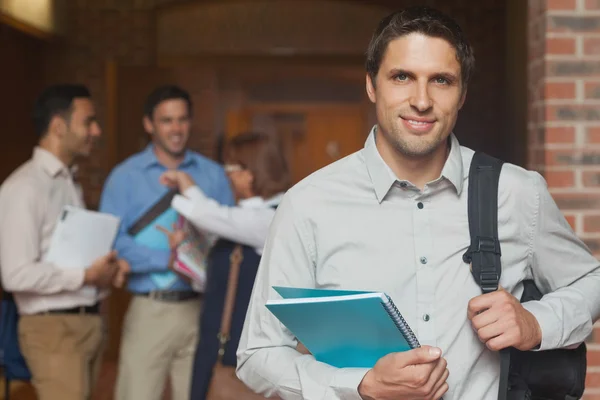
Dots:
pixel 542 375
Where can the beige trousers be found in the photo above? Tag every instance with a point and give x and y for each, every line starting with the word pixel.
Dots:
pixel 63 352
pixel 159 340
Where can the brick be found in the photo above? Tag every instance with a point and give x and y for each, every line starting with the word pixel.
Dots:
pixel 577 201
pixel 560 46
pixel 559 90
pixel 560 179
pixel 573 68
pixel 572 113
pixel 592 90
pixel 592 379
pixel 593 134
pixel 591 223
pixel 572 157
pixel 561 5
pixel 560 135
pixel 574 24
pixel 572 221
pixel 592 4
pixel 591 179
pixel 591 46
pixel 593 357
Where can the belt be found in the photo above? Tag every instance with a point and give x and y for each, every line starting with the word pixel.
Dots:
pixel 171 295
pixel 93 309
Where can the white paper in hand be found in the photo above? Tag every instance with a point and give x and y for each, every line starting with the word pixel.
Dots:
pixel 80 237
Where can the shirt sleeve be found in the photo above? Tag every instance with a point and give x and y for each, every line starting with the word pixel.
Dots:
pixel 564 268
pixel 248 226
pixel 114 200
pixel 22 216
pixel 267 360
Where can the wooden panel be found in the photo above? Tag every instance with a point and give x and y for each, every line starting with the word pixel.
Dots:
pixel 21 74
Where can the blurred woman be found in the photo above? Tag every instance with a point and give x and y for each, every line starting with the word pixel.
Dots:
pixel 259 176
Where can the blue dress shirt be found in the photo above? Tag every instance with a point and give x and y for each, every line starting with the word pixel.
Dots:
pixel 133 187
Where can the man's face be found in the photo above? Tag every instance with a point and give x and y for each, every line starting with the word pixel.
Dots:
pixel 417 94
pixel 170 126
pixel 82 128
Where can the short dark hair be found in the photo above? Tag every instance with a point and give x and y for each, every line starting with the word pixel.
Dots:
pixel 262 155
pixel 163 93
pixel 427 21
pixel 55 100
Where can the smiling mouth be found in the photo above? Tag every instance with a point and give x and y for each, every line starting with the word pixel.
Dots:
pixel 418 125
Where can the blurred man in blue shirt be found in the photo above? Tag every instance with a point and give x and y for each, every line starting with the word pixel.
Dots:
pixel 161 325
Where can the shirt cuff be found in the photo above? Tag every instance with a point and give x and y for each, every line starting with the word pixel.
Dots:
pixel 346 380
pixel 73 278
pixel 194 192
pixel 548 321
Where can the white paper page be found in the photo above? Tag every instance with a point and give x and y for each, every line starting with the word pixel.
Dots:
pixel 80 237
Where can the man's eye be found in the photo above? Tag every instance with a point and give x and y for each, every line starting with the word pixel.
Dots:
pixel 441 81
pixel 401 77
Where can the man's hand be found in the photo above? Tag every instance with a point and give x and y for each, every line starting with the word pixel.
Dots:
pixel 501 321
pixel 176 237
pixel 120 277
pixel 176 179
pixel 102 271
pixel 418 374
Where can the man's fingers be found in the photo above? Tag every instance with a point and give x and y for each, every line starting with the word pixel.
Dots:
pixel 163 229
pixel 441 391
pixel 435 376
pixel 485 318
pixel 484 302
pixel 421 355
pixel 440 382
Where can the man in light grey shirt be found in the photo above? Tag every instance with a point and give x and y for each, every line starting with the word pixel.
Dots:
pixel 393 218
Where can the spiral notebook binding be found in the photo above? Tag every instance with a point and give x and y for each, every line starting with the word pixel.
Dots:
pixel 400 323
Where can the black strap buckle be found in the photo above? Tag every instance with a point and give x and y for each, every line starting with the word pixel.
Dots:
pixel 489 280
pixel 482 244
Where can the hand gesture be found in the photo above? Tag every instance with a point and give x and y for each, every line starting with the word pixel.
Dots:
pixel 418 374
pixel 102 271
pixel 176 180
pixel 123 270
pixel 501 321
pixel 176 237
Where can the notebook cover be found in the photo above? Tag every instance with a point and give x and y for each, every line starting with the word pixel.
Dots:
pixel 343 333
pixel 144 232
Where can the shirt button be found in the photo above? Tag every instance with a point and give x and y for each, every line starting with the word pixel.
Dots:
pixel 420 205
pixel 426 317
pixel 403 184
pixel 423 260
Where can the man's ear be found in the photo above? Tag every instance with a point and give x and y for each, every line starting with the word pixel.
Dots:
pixel 148 127
pixel 370 89
pixel 57 126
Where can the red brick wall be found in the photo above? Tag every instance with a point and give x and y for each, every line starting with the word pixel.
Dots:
pixel 564 121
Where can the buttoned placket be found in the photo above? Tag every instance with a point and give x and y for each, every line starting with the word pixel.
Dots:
pixel 424 269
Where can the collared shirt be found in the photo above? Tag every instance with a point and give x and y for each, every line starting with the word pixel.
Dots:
pixel 133 187
pixel 31 200
pixel 353 225
pixel 246 224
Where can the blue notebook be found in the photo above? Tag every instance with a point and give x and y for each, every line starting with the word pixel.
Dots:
pixel 144 232
pixel 343 328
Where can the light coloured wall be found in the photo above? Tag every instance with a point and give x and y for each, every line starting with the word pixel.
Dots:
pixel 44 15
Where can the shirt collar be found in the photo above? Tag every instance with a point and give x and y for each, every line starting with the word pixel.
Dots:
pixel 383 178
pixel 149 157
pixel 51 164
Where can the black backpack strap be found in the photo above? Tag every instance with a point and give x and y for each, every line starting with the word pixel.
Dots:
pixel 484 252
